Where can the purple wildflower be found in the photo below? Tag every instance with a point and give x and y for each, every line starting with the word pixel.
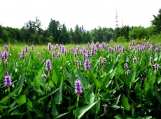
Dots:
pixel 59 54
pixel 32 47
pixel 56 46
pixel 156 66
pixel 53 54
pixel 87 65
pixel 125 66
pixel 44 75
pixel 7 80
pixel 97 44
pixel 128 72
pixel 133 42
pixel 39 54
pixel 78 87
pixel 5 55
pixel 22 54
pixel 118 56
pixel 78 64
pixel 6 47
pixel 26 48
pixel 49 46
pixel 134 60
pixel 48 65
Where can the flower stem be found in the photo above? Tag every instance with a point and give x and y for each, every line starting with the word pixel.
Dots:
pixel 77 105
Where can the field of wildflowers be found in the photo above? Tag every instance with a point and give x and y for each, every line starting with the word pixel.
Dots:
pixel 90 82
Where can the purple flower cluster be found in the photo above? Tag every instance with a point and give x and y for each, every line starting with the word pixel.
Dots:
pixel 7 80
pixel 22 55
pixel 128 72
pixel 44 75
pixel 48 65
pixel 103 61
pixel 26 49
pixel 5 55
pixel 78 87
pixel 134 60
pixel 39 54
pixel 32 47
pixel 86 65
pixel 49 46
pixel 125 66
pixel 78 64
pixel 156 66
pixel 6 47
pixel 53 54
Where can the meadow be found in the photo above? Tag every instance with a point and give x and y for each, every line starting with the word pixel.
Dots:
pixel 88 81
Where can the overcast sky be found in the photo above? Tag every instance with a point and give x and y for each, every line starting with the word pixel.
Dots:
pixel 89 13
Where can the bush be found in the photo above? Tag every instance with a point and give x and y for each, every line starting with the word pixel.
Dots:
pixel 121 39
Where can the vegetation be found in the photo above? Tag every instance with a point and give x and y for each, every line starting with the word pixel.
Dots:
pixel 93 80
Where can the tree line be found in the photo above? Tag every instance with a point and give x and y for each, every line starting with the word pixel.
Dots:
pixel 32 33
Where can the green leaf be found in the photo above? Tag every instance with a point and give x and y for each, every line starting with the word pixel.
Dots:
pixel 21 100
pixel 131 77
pixel 3 106
pixel 96 108
pixel 80 111
pixel 29 105
pixel 53 107
pixel 89 96
pixel 125 103
pixel 84 82
pixel 94 80
pixel 47 95
pixel 38 112
pixel 58 96
pixel 16 112
pixel 118 117
pixel 18 90
pixel 60 115
pixel 158 97
pixel 107 80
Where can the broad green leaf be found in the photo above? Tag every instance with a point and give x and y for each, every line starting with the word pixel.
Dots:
pixel 71 79
pixel 89 96
pixel 94 80
pixel 80 111
pixel 16 112
pixel 53 107
pixel 58 96
pixel 21 100
pixel 29 105
pixel 158 97
pixel 18 90
pixel 125 103
pixel 55 78
pixel 60 115
pixel 131 77
pixel 84 82
pixel 152 79
pixel 118 117
pixel 38 112
pixel 47 95
pixel 96 108
pixel 107 80
pixel 3 106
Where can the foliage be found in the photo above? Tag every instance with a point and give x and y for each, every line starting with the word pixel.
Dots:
pixel 156 23
pixel 108 91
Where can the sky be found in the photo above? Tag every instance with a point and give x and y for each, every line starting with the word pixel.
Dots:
pixel 89 13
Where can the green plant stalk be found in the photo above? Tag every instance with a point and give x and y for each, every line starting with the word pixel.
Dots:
pixel 77 105
pixel 9 98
